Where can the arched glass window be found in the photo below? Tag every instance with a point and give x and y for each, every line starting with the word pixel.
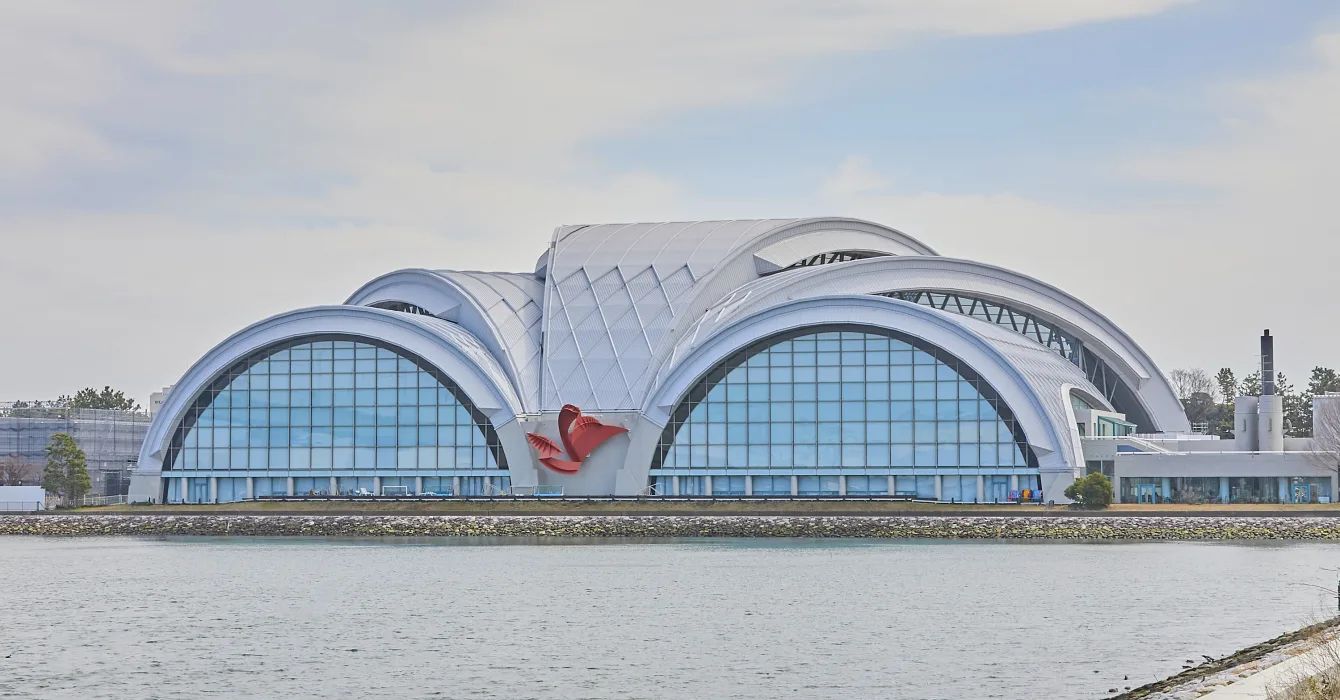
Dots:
pixel 886 412
pixel 332 406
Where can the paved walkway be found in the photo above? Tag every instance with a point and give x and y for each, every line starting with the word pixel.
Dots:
pixel 1279 676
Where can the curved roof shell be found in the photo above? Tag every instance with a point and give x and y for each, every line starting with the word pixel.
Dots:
pixel 876 275
pixel 616 295
pixel 502 309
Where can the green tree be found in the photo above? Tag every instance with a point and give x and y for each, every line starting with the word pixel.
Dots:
pixel 1093 491
pixel 66 472
pixel 108 398
pixel 1251 385
pixel 1199 407
pixel 53 478
pixel 1296 424
pixel 1323 380
pixel 1228 384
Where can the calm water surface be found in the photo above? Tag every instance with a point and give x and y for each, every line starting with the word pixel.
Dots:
pixel 267 618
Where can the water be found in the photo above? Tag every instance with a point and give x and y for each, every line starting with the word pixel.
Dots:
pixel 266 618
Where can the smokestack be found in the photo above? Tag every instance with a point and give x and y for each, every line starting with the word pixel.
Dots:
pixel 1267 364
pixel 1269 408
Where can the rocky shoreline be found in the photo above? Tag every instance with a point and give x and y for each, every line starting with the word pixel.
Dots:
pixel 882 527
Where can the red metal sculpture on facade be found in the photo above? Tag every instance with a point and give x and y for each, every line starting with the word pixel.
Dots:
pixel 580 436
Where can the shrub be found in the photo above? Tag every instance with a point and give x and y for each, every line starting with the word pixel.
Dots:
pixel 1093 491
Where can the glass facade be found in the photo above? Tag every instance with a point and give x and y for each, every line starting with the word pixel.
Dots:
pixel 331 413
pixel 1227 489
pixel 853 402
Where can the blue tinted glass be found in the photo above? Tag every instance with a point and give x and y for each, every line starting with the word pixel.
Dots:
pixel 849 400
pixel 295 409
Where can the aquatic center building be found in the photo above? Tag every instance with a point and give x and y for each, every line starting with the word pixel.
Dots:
pixel 823 356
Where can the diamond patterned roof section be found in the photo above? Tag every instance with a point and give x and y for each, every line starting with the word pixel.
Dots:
pixel 512 304
pixel 622 292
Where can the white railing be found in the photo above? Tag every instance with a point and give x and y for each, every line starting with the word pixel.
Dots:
pixel 103 501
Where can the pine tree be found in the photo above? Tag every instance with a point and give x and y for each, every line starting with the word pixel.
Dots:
pixel 67 468
pixel 1296 422
pixel 1322 381
pixel 1228 384
pixel 53 478
pixel 1251 385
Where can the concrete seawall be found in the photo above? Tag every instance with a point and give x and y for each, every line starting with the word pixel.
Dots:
pixel 885 527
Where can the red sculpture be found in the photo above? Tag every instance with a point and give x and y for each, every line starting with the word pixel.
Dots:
pixel 580 435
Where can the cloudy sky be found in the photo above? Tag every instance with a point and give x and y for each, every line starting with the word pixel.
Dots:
pixel 170 172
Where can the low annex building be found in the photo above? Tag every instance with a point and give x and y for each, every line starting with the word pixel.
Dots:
pixel 822 356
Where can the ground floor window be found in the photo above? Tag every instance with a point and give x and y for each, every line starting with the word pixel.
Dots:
pixel 958 489
pixel 818 486
pixel 1308 489
pixel 771 485
pixel 867 485
pixel 1253 489
pixel 1142 490
pixel 961 488
pixel 729 486
pixel 269 486
pixel 1195 489
pixel 231 489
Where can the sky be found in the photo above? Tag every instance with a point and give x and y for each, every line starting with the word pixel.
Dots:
pixel 172 172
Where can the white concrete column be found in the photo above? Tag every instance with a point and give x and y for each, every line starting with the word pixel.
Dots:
pixel 938 489
pixel 456 486
pixel 707 485
pixel 795 485
pixel 376 486
pixel 289 487
pixel 182 494
pixel 892 485
pixel 213 489
pixel 418 485
pixel 749 485
pixel 981 489
pixel 674 485
pixel 842 485
pixel 251 487
pixel 332 489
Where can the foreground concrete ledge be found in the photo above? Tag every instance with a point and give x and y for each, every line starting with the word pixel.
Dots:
pixel 1251 673
pixel 884 527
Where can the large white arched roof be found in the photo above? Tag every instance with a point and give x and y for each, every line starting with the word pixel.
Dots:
pixel 875 275
pixel 445 345
pixel 616 295
pixel 502 309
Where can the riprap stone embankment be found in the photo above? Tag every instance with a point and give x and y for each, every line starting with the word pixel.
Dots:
pixel 885 527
